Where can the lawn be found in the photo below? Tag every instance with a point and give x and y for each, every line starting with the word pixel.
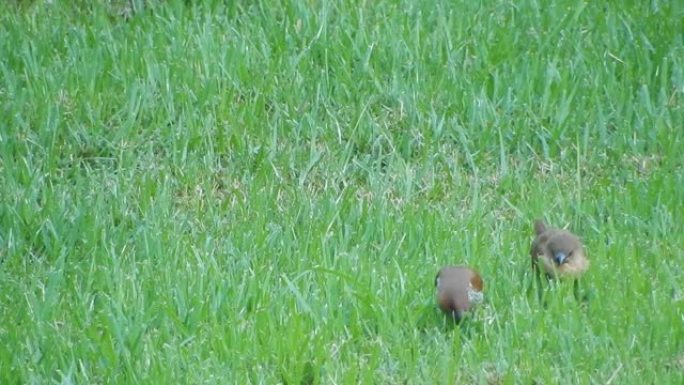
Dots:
pixel 251 192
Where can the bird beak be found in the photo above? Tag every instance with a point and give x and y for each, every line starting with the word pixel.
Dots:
pixel 560 257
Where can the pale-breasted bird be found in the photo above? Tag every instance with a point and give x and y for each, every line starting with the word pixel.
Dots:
pixel 557 253
pixel 459 288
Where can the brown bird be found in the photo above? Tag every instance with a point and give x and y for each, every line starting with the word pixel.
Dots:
pixel 459 288
pixel 558 254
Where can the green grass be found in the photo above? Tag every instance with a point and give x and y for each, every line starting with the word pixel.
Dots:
pixel 263 192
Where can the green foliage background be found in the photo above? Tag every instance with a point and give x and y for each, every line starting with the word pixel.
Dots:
pixel 262 192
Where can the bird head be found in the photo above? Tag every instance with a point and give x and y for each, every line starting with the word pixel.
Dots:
pixel 562 246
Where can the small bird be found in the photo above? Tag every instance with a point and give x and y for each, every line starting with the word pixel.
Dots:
pixel 459 288
pixel 558 254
